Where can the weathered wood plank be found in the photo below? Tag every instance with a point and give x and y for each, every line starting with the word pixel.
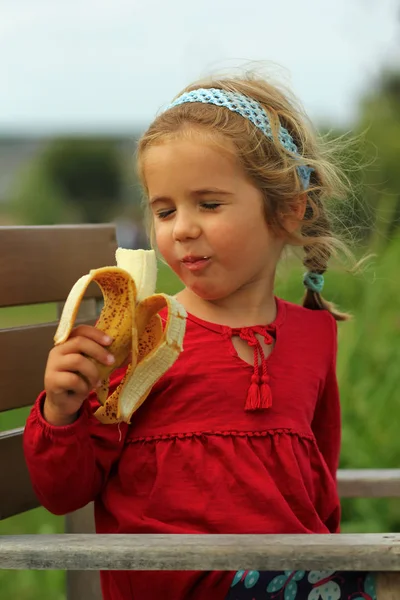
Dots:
pixel 342 552
pixel 31 345
pixel 43 262
pixel 388 586
pixel 369 483
pixel 82 583
pixel 16 493
pixel 23 351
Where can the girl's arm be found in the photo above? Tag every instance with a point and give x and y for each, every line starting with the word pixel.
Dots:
pixel 69 465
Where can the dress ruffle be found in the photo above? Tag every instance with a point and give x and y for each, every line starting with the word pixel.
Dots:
pixel 223 482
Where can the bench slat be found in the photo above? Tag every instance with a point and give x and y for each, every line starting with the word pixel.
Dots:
pixel 29 346
pixel 26 348
pixel 16 493
pixel 339 552
pixel 369 483
pixel 388 586
pixel 41 263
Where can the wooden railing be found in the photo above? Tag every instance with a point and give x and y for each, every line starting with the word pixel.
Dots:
pixel 339 552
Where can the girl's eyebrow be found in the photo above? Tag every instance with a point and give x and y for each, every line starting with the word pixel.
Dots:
pixel 208 191
pixel 155 199
pixel 196 193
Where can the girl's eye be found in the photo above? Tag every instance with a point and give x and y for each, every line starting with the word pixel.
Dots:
pixel 163 214
pixel 210 205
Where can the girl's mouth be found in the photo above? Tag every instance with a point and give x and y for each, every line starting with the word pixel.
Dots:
pixel 195 263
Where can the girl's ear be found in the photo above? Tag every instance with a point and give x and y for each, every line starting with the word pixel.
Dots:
pixel 292 220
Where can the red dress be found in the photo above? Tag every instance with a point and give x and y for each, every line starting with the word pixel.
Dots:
pixel 195 461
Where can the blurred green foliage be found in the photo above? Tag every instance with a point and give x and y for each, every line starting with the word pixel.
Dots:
pixel 380 119
pixel 88 172
pixel 72 180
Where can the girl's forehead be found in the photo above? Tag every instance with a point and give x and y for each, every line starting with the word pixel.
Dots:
pixel 190 159
pixel 201 144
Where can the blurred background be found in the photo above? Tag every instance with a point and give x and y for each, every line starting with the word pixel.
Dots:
pixel 80 82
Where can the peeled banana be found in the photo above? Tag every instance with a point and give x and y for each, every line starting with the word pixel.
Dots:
pixel 130 317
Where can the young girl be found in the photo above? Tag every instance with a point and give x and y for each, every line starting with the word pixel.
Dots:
pixel 242 434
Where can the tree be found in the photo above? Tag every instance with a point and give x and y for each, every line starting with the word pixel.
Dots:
pixel 380 119
pixel 88 172
pixel 35 200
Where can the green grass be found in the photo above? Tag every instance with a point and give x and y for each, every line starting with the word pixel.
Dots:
pixel 167 281
pixel 17 316
pixel 32 585
pixel 369 379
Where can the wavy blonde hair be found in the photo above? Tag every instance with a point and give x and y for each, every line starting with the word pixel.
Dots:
pixel 271 167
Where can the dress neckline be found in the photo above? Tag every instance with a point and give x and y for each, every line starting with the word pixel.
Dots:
pixel 259 396
pixel 225 329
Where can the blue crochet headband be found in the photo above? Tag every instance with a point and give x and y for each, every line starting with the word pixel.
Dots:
pixel 249 109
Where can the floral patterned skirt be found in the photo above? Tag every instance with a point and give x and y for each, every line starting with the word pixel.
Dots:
pixel 302 585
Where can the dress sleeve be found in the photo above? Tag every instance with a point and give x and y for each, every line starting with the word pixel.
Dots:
pixel 69 465
pixel 326 424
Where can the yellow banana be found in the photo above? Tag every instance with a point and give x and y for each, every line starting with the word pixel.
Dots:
pixel 129 316
pixel 142 267
pixel 117 318
pixel 159 357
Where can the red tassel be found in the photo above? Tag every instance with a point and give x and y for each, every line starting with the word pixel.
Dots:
pixel 259 396
pixel 253 399
pixel 259 393
pixel 265 395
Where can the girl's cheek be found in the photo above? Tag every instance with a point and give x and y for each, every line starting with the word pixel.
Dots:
pixel 159 235
pixel 164 245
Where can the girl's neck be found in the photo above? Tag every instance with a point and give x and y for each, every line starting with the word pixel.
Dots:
pixel 238 310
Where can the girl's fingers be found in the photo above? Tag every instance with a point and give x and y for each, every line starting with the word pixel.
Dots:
pixel 88 347
pixel 79 364
pixel 71 383
pixel 92 333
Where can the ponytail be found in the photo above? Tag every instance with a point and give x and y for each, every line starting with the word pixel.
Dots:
pixel 316 227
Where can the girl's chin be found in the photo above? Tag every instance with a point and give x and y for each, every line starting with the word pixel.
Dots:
pixel 207 292
pixel 206 288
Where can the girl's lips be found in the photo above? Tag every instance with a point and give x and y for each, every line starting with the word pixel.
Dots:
pixel 195 263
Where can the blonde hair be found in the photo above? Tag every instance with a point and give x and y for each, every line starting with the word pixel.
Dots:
pixel 271 167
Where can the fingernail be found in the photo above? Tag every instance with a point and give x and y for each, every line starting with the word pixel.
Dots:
pixel 110 359
pixel 99 383
pixel 107 339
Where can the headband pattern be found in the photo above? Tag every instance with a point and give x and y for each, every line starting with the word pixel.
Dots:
pixel 250 110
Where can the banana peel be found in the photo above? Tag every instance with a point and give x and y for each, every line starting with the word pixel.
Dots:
pixel 130 317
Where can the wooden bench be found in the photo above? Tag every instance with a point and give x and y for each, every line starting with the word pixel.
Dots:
pixel 40 264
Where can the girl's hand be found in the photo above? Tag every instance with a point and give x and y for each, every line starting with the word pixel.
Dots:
pixel 70 375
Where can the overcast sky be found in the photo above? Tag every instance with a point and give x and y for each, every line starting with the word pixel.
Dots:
pixel 109 65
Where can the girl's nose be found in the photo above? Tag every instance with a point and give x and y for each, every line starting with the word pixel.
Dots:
pixel 186 226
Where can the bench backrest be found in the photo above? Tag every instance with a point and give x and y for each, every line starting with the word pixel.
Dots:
pixel 40 265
